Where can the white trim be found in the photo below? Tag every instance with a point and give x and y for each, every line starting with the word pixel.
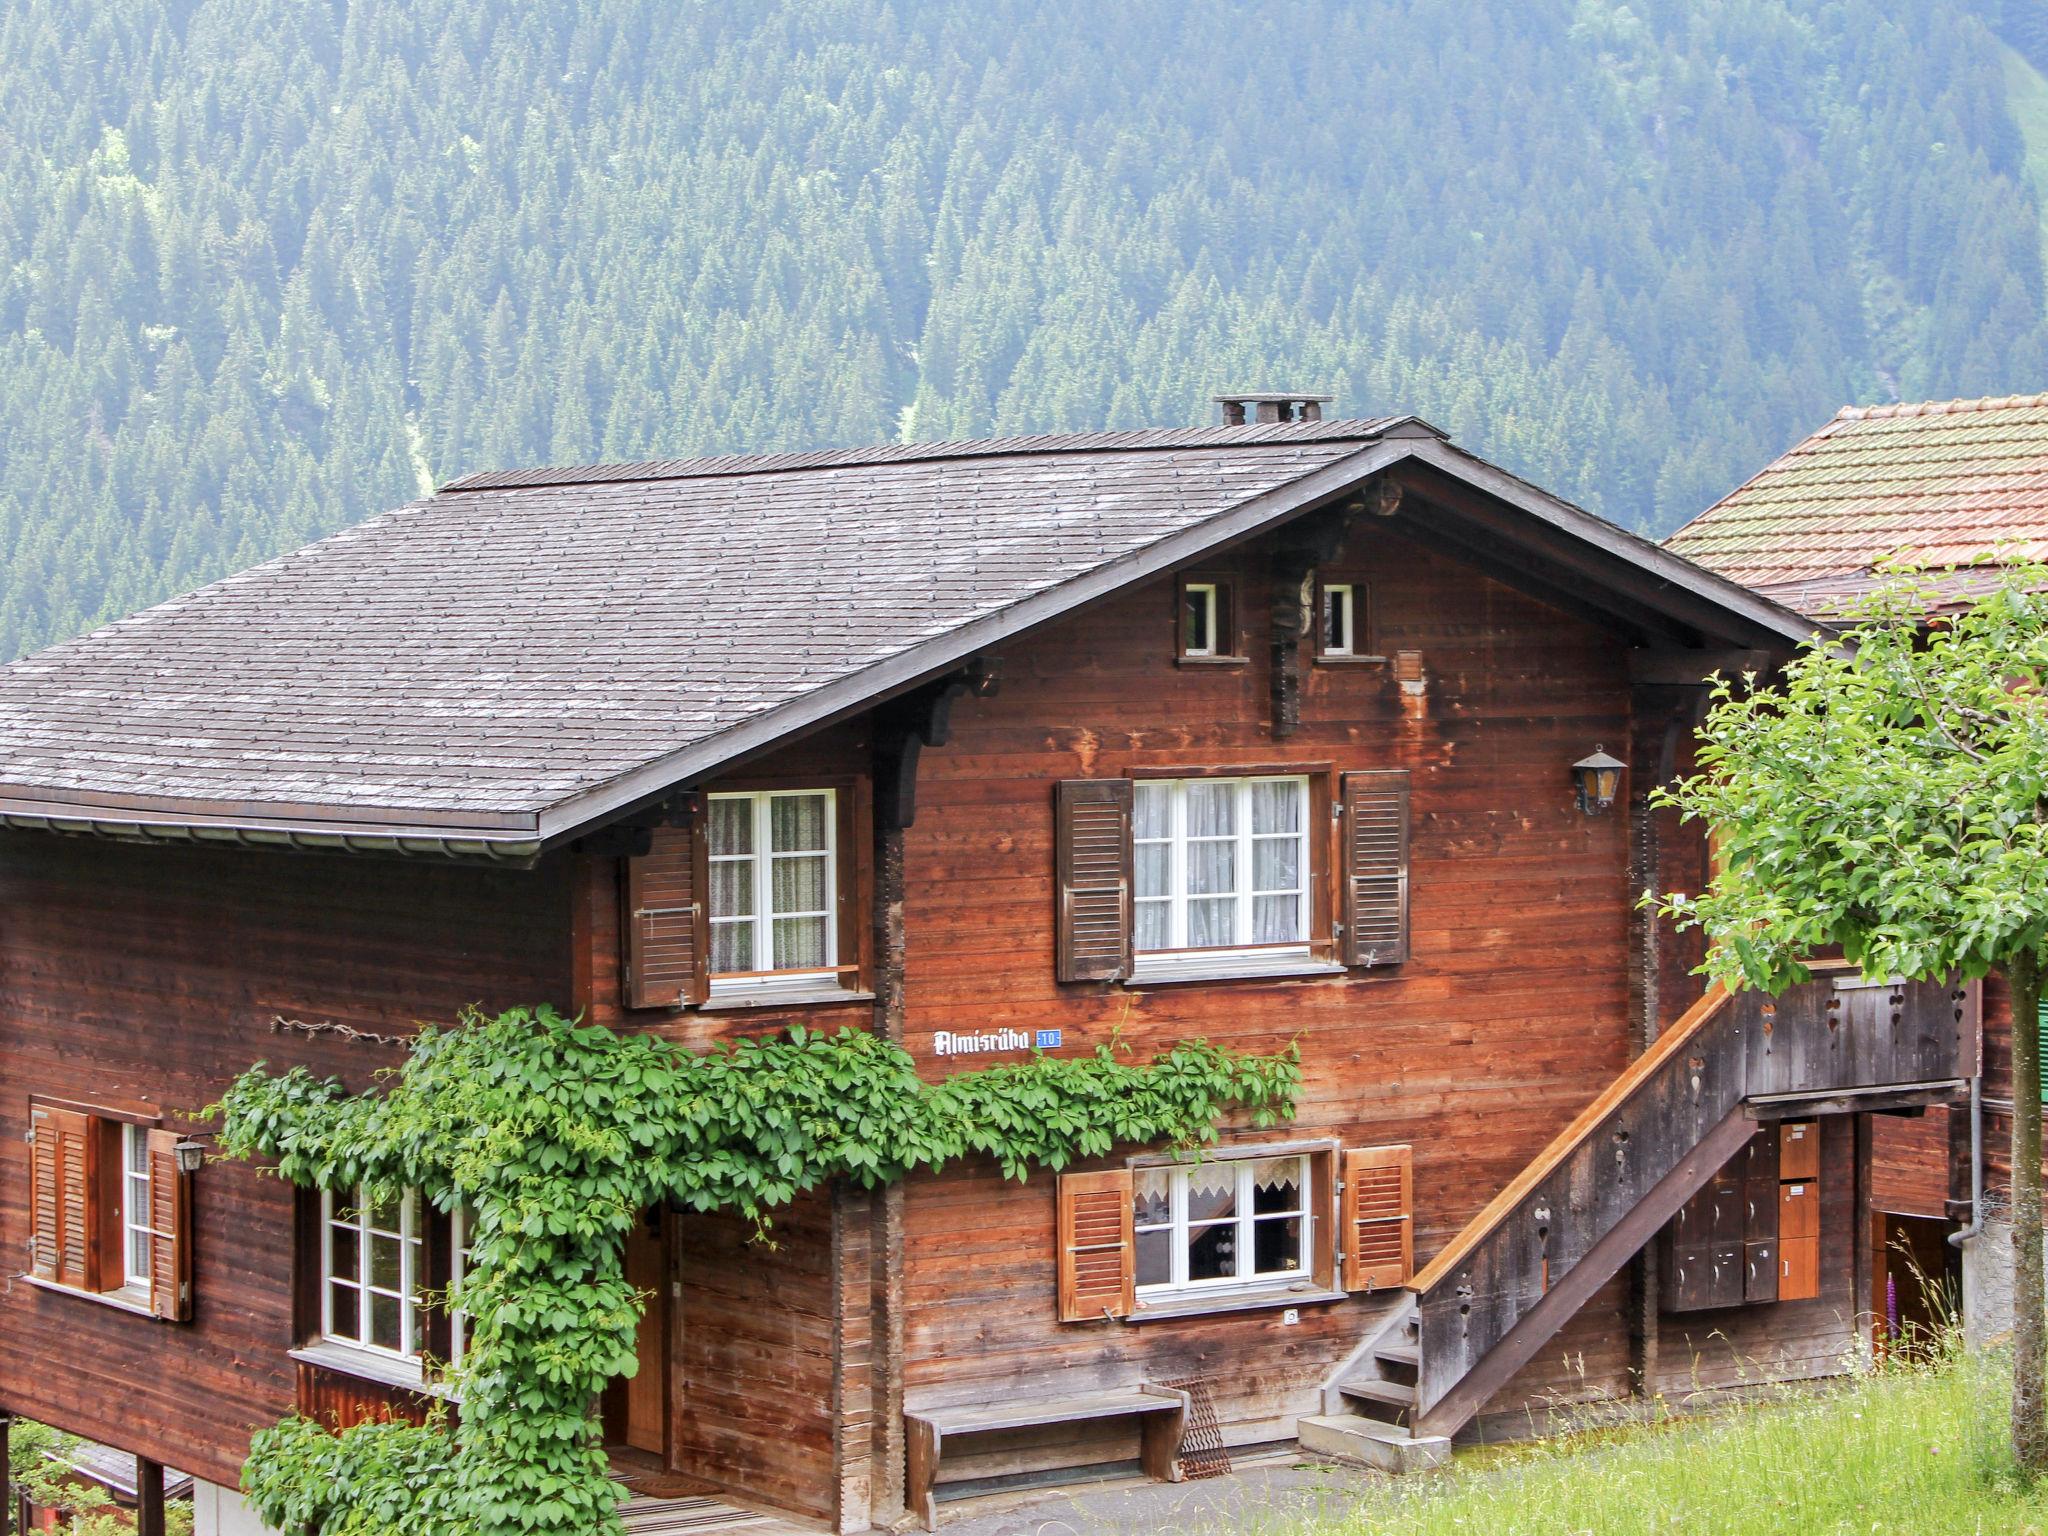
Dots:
pixel 1243 1221
pixel 1346 641
pixel 411 1245
pixel 1245 893
pixel 761 855
pixel 135 1186
pixel 1206 591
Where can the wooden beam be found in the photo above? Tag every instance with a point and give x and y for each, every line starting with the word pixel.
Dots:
pixel 149 1497
pixel 1890 1098
pixel 1536 1327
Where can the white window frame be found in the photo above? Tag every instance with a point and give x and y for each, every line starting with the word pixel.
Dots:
pixel 458 1266
pixel 135 1192
pixel 1346 641
pixel 1246 893
pixel 411 1249
pixel 1244 1220
pixel 763 917
pixel 1211 603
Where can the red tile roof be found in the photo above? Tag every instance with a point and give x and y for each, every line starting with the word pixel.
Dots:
pixel 1950 482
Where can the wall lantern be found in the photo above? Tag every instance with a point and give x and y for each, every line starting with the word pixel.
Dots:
pixel 190 1154
pixel 1599 779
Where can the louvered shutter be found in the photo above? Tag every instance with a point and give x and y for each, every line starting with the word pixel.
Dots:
pixel 667 930
pixel 62 1182
pixel 170 1230
pixel 1375 867
pixel 1378 1214
pixel 1097 1271
pixel 1092 837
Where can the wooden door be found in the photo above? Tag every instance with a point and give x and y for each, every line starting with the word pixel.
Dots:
pixel 636 1407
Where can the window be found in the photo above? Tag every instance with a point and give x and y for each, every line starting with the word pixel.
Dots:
pixel 1221 863
pixel 111 1211
pixel 774 885
pixel 1218 1225
pixel 1340 619
pixel 371 1257
pixel 1208 629
pixel 136 1231
pixel 458 1320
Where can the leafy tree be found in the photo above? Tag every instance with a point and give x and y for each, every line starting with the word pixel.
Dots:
pixel 1889 795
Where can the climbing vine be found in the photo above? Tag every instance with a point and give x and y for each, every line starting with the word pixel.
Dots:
pixel 555 1134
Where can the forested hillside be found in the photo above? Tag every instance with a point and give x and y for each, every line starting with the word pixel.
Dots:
pixel 269 265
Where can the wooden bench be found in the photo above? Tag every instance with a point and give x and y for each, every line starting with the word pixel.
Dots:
pixel 1162 1412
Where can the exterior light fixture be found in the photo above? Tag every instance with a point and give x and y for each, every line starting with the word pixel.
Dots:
pixel 190 1154
pixel 1599 779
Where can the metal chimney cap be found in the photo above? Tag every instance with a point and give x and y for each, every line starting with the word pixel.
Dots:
pixel 1254 396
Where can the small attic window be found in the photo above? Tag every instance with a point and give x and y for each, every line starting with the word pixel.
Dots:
pixel 1340 619
pixel 1207 628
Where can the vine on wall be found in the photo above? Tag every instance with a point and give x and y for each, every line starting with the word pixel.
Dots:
pixel 555 1135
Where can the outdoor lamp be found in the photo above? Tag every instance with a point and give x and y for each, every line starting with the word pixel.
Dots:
pixel 1599 778
pixel 190 1154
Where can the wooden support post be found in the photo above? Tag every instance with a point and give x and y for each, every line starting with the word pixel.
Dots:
pixel 7 1510
pixel 887 1449
pixel 149 1497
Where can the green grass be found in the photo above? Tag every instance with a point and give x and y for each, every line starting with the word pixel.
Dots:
pixel 1907 1449
pixel 2027 93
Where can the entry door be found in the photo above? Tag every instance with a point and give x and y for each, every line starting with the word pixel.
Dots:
pixel 636 1407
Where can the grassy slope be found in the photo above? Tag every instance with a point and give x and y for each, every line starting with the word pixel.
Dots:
pixel 1907 1451
pixel 2027 93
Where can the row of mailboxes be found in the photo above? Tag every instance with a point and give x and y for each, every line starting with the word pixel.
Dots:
pixel 1753 1233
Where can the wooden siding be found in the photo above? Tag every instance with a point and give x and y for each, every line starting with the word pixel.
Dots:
pixel 1520 912
pixel 150 975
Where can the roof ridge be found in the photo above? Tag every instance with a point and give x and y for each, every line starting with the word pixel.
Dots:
pixel 1127 440
pixel 1938 407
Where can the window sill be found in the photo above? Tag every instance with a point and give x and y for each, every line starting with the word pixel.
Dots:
pixel 1351 661
pixel 1227 966
pixel 368 1366
pixel 782 997
pixel 122 1300
pixel 1212 661
pixel 1304 1293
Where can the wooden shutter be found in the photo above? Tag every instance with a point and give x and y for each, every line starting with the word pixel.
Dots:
pixel 1092 838
pixel 1377 1206
pixel 1374 867
pixel 170 1230
pixel 1097 1271
pixel 62 1178
pixel 667 930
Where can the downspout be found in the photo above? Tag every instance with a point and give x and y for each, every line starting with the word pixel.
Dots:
pixel 1965 1234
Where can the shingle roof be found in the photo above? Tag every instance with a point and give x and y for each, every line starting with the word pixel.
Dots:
pixel 1946 483
pixel 525 652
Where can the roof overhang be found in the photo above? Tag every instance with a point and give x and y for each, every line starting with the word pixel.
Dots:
pixel 1540 542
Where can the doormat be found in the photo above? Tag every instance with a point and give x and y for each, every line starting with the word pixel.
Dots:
pixel 1202 1452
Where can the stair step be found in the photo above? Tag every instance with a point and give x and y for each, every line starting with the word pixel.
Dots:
pixel 1350 1438
pixel 1398 1354
pixel 1394 1394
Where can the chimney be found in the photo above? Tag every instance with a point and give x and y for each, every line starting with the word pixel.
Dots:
pixel 1266 406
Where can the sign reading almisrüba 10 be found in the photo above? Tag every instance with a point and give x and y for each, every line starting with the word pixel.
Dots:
pixel 947 1043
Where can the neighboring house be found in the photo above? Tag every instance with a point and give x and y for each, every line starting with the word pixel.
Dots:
pixel 1959 483
pixel 1260 733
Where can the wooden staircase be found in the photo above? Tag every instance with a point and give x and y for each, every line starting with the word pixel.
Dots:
pixel 1566 1224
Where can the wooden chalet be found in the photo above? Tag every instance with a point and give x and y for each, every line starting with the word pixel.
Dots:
pixel 1288 730
pixel 1951 483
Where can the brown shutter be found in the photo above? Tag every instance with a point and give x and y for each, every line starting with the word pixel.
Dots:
pixel 1097 1275
pixel 62 1179
pixel 1374 867
pixel 667 930
pixel 1092 838
pixel 1378 1213
pixel 170 1230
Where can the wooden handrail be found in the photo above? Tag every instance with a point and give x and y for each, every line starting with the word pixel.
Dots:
pixel 1547 1161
